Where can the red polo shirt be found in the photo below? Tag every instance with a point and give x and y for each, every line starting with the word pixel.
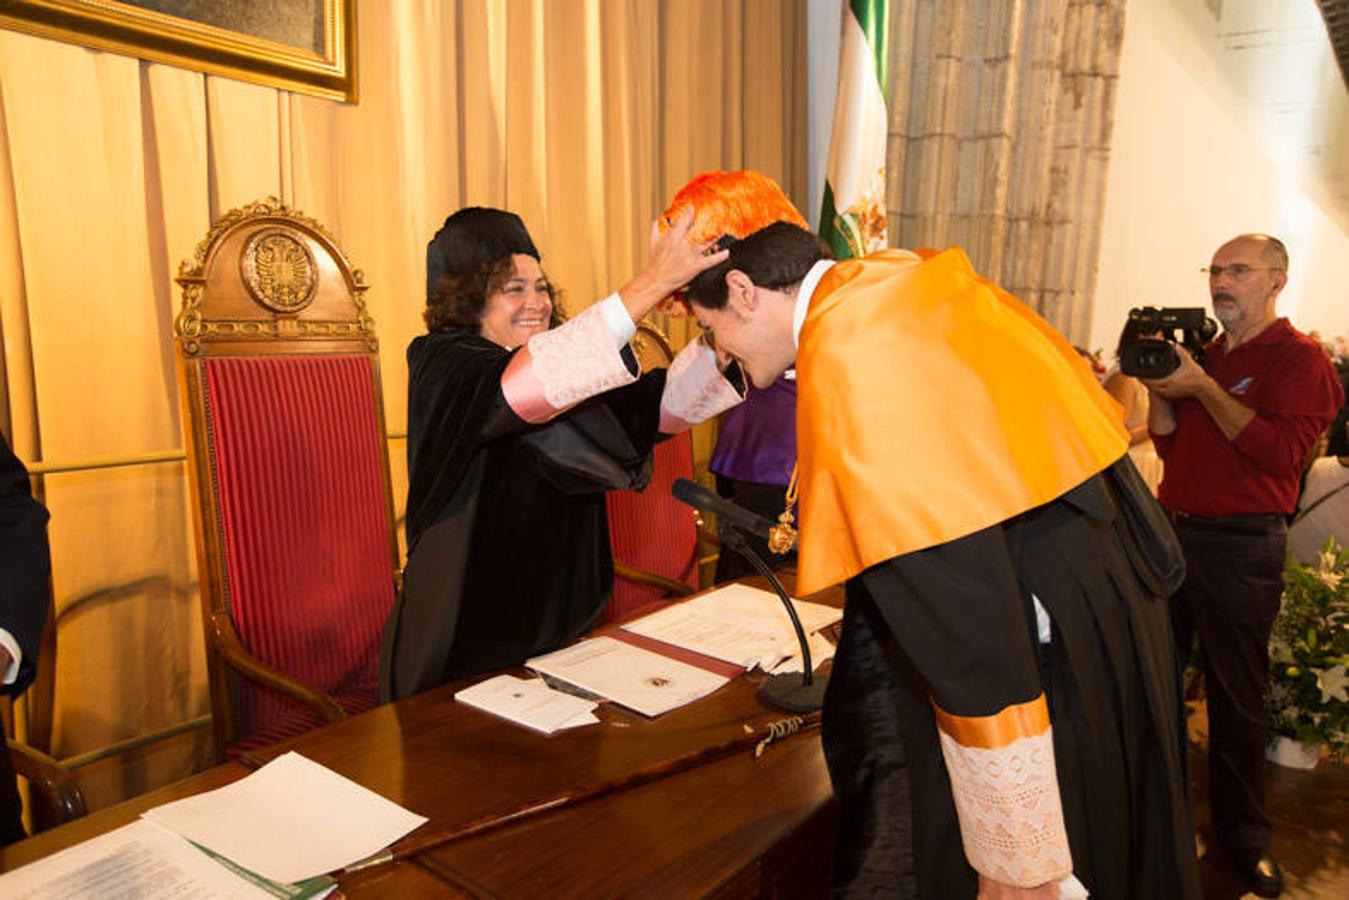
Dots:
pixel 1286 378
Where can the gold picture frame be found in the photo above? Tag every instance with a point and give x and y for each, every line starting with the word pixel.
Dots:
pixel 307 46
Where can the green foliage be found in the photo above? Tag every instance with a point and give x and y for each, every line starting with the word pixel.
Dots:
pixel 1308 693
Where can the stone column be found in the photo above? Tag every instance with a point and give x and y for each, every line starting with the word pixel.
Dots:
pixel 1001 113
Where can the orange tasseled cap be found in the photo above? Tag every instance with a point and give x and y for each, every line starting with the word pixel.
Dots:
pixel 734 203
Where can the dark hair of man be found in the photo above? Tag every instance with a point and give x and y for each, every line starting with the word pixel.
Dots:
pixel 459 300
pixel 776 257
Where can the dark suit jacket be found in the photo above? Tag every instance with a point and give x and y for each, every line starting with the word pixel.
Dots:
pixel 25 564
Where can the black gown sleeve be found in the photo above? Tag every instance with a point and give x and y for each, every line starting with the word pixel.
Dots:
pixel 456 407
pixel 964 620
pixel 960 614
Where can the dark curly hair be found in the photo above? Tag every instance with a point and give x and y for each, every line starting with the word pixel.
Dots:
pixel 459 300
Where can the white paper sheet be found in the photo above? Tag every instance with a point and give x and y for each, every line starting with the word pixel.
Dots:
pixel 821 649
pixel 741 625
pixel 753 606
pixel 529 702
pixel 290 820
pixel 140 860
pixel 629 676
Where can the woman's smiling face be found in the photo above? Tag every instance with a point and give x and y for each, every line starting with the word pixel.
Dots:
pixel 521 307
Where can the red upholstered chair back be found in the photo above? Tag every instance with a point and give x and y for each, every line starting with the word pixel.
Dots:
pixel 651 531
pixel 288 461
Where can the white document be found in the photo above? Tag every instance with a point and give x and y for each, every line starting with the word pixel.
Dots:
pixel 529 702
pixel 741 625
pixel 140 860
pixel 753 605
pixel 291 820
pixel 821 649
pixel 629 676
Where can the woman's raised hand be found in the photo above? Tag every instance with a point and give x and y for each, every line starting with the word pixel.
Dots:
pixel 674 262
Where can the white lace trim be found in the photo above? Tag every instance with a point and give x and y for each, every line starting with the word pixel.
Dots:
pixel 1011 818
pixel 577 360
pixel 695 389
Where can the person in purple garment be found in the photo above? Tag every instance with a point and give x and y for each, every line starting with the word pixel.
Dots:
pixel 753 464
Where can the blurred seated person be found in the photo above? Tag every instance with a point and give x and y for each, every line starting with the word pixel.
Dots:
pixel 25 564
pixel 1133 396
pixel 517 426
pixel 756 446
pixel 1322 509
pixel 1338 443
pixel 1093 359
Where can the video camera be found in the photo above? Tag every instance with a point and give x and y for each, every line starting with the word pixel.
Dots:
pixel 1149 357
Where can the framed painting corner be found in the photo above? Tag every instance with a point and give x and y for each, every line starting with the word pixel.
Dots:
pixel 307 46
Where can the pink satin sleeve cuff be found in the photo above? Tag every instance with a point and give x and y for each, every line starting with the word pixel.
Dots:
pixel 695 390
pixel 563 366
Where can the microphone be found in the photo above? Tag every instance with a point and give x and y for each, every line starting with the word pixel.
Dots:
pixel 699 497
pixel 783 691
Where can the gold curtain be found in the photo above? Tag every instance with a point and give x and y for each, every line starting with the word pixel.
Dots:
pixel 1001 116
pixel 582 115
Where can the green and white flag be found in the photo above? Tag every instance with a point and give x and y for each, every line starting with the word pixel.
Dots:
pixel 853 219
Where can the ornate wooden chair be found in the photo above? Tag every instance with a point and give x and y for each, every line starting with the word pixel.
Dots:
pixel 288 463
pixel 654 537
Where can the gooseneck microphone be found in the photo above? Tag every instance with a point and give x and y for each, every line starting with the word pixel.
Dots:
pixel 784 691
pixel 699 497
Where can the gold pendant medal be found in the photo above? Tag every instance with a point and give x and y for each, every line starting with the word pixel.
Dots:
pixel 782 536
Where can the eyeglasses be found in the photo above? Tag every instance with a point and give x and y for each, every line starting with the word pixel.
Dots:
pixel 1238 270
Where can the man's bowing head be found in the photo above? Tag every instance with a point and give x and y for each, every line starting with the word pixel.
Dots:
pixel 731 206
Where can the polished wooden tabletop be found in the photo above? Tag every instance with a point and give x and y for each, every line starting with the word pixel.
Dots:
pixel 740 827
pixel 453 763
pixel 676 805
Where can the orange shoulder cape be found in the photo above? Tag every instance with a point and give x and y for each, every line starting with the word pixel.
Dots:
pixel 932 404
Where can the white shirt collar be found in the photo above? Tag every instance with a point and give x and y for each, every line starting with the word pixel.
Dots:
pixel 803 294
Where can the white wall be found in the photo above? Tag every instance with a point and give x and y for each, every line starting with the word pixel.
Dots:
pixel 1191 166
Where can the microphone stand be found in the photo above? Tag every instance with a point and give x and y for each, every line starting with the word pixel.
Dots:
pixel 784 691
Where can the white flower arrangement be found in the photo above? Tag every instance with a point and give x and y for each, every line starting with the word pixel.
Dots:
pixel 1308 693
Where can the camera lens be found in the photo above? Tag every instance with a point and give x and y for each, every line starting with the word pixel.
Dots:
pixel 1148 359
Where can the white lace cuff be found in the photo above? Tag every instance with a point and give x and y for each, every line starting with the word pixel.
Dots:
pixel 695 389
pixel 563 366
pixel 1007 799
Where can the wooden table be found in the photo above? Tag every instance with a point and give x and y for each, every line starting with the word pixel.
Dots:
pixel 737 828
pixel 691 818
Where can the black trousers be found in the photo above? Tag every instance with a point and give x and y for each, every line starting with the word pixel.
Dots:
pixel 1229 600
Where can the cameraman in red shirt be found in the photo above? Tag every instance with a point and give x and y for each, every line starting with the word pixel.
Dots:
pixel 1234 435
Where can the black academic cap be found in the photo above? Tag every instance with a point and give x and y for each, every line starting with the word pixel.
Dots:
pixel 472 237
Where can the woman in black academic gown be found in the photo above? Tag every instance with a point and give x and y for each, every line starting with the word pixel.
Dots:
pixel 517 425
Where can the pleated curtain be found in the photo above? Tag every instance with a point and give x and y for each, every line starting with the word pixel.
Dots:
pixel 581 115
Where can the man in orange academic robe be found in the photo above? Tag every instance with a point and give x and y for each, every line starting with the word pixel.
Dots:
pixel 1004 640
